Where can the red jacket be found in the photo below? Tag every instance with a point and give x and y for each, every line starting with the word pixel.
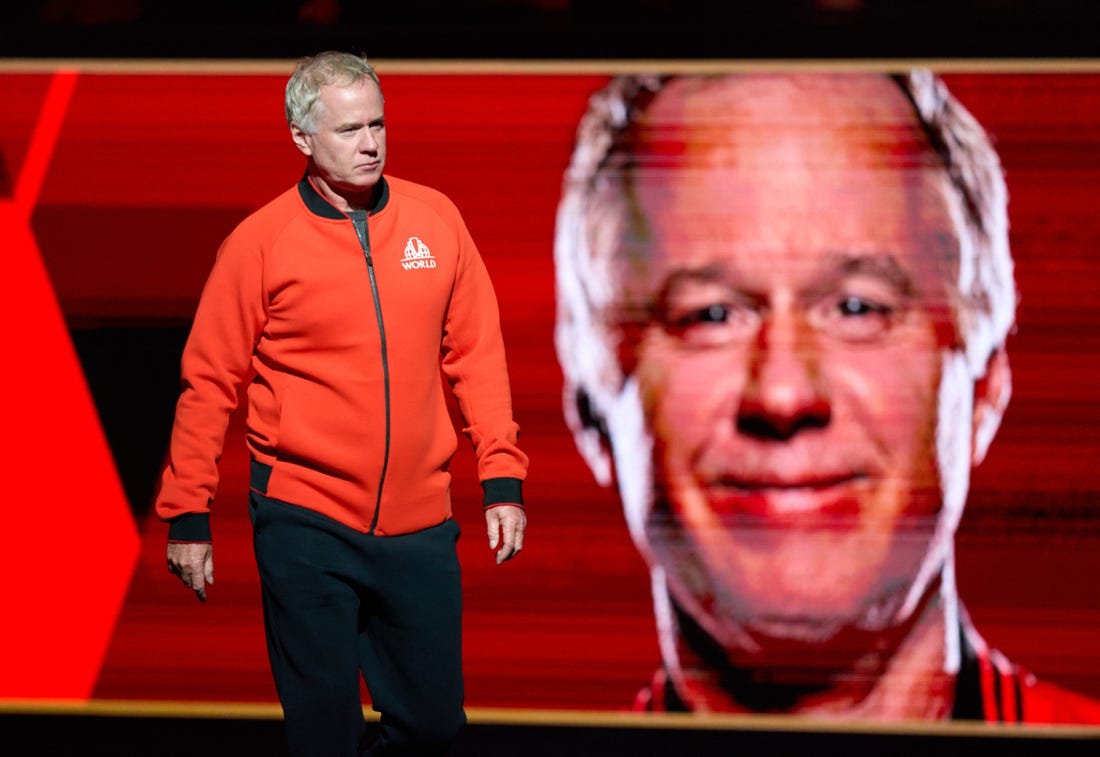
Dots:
pixel 340 341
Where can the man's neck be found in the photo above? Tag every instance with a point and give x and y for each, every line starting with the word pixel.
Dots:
pixel 904 677
pixel 345 202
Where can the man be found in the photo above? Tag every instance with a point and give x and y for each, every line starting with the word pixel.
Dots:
pixel 783 301
pixel 337 305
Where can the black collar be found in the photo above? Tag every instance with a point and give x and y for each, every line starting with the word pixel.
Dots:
pixel 318 205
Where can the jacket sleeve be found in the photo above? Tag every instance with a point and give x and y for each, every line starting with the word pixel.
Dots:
pixel 216 362
pixel 474 363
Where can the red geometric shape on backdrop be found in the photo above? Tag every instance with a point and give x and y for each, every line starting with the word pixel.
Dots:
pixel 71 544
pixel 22 97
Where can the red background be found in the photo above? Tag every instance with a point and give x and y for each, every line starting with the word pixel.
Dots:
pixel 151 168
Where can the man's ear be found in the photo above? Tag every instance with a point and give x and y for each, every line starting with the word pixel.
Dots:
pixel 991 394
pixel 300 141
pixel 590 435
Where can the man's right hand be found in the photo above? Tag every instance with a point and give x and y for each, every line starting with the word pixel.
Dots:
pixel 193 562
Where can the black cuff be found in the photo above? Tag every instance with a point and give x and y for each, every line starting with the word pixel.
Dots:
pixel 503 491
pixel 190 527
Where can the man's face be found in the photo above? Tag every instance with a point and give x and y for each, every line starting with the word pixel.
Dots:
pixel 798 350
pixel 348 147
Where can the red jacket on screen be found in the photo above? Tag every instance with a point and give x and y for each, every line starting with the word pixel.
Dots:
pixel 1011 694
pixel 345 400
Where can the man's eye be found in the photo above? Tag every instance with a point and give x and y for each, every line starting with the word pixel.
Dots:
pixel 854 306
pixel 710 325
pixel 853 318
pixel 716 313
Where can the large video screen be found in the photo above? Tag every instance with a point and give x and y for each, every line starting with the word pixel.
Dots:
pixel 804 358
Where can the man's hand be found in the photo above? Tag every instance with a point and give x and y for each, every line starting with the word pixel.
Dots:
pixel 193 562
pixel 506 524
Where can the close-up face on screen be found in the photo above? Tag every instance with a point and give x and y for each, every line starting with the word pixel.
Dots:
pixel 785 301
pixel 798 239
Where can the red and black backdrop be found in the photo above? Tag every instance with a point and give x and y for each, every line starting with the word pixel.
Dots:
pixel 117 183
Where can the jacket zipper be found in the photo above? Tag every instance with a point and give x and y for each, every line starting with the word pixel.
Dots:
pixel 360 222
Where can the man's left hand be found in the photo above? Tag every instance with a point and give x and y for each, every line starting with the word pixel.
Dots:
pixel 506 525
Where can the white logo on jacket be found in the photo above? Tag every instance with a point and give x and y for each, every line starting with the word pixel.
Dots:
pixel 417 255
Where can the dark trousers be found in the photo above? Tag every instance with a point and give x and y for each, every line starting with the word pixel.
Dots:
pixel 338 603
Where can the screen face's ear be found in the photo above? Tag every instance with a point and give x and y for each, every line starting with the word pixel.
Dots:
pixel 991 394
pixel 589 434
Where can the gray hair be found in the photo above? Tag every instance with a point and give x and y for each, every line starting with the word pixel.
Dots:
pixel 315 72
pixel 591 215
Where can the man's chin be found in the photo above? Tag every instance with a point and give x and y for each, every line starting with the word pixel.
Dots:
pixel 795 651
pixel 777 631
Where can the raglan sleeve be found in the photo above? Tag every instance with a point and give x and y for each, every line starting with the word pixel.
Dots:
pixel 475 364
pixel 216 361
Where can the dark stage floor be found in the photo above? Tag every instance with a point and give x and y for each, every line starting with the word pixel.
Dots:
pixel 123 733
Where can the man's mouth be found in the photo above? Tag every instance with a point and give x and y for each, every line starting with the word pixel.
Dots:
pixel 767 494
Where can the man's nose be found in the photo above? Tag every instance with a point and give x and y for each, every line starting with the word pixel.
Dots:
pixel 784 391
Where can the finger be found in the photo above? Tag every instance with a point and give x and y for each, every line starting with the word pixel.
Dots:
pixel 197 584
pixel 519 537
pixel 208 570
pixel 508 549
